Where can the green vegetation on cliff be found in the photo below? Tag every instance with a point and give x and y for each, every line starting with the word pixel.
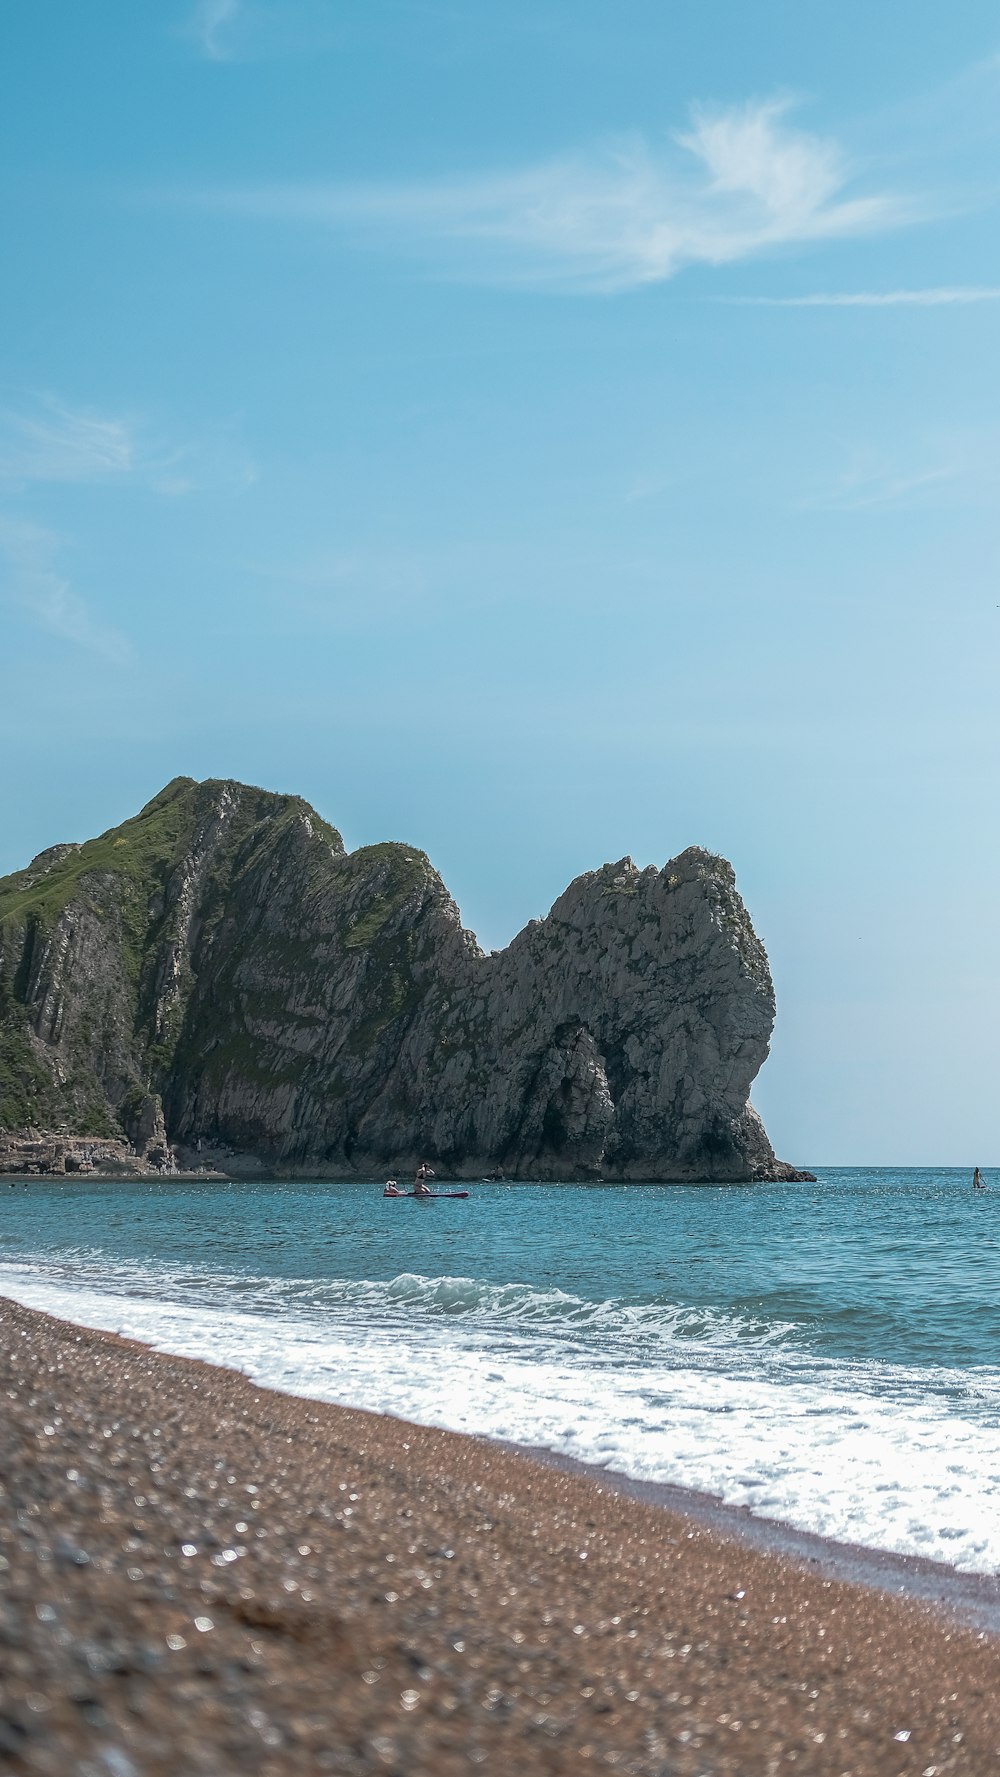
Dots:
pixel 95 942
pixel 219 970
pixel 28 1093
pixel 136 853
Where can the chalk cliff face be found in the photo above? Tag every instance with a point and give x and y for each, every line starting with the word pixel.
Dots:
pixel 220 970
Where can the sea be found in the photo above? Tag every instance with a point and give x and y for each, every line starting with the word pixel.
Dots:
pixel 825 1355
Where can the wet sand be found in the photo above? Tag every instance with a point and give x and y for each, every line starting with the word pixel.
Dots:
pixel 201 1576
pixel 971 1598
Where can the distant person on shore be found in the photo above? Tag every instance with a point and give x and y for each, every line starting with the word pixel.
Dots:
pixel 392 1189
pixel 421 1185
pixel 978 1183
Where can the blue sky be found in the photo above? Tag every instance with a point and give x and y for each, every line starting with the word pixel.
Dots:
pixel 540 433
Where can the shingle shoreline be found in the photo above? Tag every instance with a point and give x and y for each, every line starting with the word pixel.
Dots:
pixel 201 1576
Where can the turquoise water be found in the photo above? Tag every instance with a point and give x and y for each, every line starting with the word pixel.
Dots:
pixel 825 1354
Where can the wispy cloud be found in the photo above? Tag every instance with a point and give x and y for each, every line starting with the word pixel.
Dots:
pixel 738 182
pixel 31 582
pixel 867 489
pixel 210 24
pixel 52 442
pixel 216 464
pixel 649 487
pixel 256 30
pixel 357 591
pixel 940 297
pixel 45 440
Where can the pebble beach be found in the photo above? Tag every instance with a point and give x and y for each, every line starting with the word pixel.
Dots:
pixel 198 1575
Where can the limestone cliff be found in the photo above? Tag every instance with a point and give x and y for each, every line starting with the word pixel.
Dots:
pixel 219 970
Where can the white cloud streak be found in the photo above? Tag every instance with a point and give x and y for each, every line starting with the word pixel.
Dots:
pixel 31 582
pixel 354 592
pixel 942 297
pixel 57 443
pixel 48 441
pixel 261 30
pixel 209 25
pixel 871 486
pixel 735 184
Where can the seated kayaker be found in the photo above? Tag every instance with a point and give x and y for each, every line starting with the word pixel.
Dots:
pixel 392 1189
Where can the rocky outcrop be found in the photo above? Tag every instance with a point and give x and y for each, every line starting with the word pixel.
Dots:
pixel 220 971
pixel 34 1151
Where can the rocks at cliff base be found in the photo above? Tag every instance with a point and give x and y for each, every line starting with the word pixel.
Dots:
pixel 220 971
pixel 36 1151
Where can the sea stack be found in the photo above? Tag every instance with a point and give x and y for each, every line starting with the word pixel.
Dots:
pixel 219 973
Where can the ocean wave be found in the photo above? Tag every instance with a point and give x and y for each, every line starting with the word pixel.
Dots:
pixel 884 1455
pixel 654 1320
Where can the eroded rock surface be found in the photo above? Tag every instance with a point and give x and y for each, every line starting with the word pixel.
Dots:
pixel 221 975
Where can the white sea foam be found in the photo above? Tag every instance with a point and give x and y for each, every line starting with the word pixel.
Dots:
pixel 890 1457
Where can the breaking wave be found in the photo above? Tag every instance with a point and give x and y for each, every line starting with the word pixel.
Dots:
pixel 892 1456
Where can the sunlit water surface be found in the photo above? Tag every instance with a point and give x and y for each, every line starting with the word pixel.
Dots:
pixel 824 1354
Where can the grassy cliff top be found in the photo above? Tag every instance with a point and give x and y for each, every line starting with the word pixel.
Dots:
pixel 147 847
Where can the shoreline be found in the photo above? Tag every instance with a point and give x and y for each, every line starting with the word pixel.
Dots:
pixel 277 1177
pixel 972 1598
pixel 257 1172
pixel 186 1583
pixel 179 1177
